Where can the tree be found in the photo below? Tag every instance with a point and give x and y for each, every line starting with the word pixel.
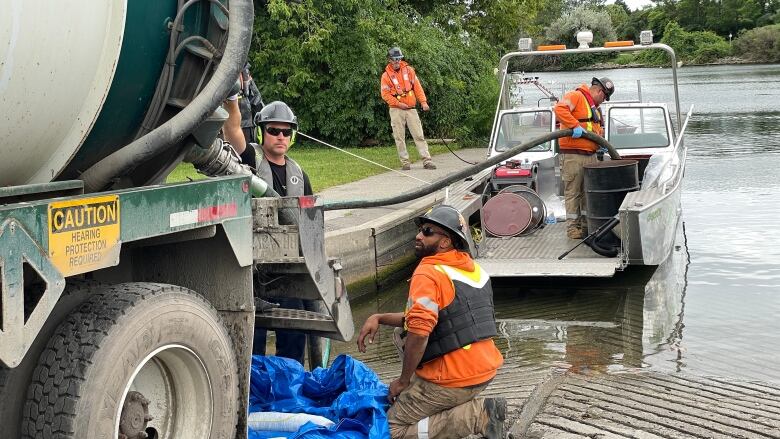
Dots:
pixel 324 58
pixel 761 44
pixel 619 16
pixel 564 29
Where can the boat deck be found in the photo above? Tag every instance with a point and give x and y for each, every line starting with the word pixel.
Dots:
pixel 537 255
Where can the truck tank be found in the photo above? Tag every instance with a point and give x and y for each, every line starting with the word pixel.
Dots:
pixel 80 80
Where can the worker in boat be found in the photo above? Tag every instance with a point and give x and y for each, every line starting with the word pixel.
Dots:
pixel 277 125
pixel 579 110
pixel 443 370
pixel 401 89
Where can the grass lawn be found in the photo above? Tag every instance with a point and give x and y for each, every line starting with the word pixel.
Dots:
pixel 328 167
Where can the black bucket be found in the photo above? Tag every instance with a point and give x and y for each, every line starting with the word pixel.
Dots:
pixel 606 185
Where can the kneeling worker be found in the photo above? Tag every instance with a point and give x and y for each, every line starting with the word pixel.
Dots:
pixel 444 370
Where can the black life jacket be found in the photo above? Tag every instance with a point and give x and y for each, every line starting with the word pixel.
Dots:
pixel 468 319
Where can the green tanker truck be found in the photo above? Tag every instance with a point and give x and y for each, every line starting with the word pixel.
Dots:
pixel 127 306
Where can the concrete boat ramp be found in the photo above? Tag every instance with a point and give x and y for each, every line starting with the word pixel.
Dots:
pixel 545 403
pixel 572 396
pixel 646 405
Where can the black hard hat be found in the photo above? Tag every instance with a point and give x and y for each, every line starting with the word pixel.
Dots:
pixel 276 111
pixel 449 219
pixel 395 53
pixel 606 84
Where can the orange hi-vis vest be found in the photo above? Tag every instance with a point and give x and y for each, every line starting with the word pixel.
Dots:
pixel 431 290
pixel 575 110
pixel 401 86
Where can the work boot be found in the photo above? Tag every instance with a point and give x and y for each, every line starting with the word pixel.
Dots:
pixel 494 414
pixel 406 167
pixel 429 165
pixel 584 226
pixel 573 230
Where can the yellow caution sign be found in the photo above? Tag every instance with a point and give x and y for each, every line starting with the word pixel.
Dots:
pixel 84 234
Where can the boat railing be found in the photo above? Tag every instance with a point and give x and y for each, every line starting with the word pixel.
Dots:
pixel 674 160
pixel 504 65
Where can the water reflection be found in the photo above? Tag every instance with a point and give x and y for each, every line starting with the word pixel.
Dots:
pixel 629 322
pixel 733 134
pixel 731 324
pixel 601 327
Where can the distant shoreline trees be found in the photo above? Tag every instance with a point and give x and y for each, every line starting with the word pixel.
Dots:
pixel 324 57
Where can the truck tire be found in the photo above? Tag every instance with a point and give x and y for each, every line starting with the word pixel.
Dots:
pixel 139 360
pixel 14 382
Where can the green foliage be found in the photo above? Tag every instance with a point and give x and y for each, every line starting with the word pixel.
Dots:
pixel 564 29
pixel 690 47
pixel 625 59
pixel 719 16
pixel 619 15
pixel 319 164
pixel 761 44
pixel 325 60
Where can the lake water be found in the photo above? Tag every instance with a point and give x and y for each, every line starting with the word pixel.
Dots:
pixel 714 307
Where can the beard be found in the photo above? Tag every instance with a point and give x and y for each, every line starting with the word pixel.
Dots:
pixel 421 250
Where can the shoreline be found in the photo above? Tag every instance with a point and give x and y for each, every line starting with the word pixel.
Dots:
pixel 731 60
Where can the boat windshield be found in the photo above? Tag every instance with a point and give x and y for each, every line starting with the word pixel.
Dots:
pixel 638 127
pixel 517 128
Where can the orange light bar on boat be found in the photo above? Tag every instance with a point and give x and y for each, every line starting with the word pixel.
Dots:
pixel 627 43
pixel 552 47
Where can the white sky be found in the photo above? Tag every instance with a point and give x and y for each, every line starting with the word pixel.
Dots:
pixel 634 4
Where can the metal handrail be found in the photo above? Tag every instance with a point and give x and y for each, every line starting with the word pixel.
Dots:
pixel 504 63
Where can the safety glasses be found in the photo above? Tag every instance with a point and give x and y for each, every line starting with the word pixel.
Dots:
pixel 428 231
pixel 286 132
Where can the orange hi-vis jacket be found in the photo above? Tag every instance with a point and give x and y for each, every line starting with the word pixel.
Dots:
pixel 402 86
pixel 574 110
pixel 431 290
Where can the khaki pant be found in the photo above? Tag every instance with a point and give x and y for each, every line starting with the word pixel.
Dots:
pixel 399 119
pixel 573 187
pixel 427 410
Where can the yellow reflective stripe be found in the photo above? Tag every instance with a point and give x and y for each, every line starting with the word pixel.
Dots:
pixel 477 278
pixel 589 125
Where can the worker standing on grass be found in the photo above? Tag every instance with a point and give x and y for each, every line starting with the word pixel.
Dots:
pixel 579 110
pixel 448 352
pixel 401 89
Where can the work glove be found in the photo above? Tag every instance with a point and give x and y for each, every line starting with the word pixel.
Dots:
pixel 577 132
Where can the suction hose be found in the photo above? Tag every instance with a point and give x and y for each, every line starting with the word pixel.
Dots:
pixel 241 17
pixel 471 170
pixel 220 159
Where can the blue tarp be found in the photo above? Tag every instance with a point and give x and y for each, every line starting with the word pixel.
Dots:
pixel 348 393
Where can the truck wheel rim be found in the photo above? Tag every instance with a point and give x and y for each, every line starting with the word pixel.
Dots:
pixel 175 384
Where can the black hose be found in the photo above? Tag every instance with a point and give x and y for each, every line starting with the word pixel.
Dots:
pixel 609 252
pixel 453 152
pixel 241 18
pixel 471 170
